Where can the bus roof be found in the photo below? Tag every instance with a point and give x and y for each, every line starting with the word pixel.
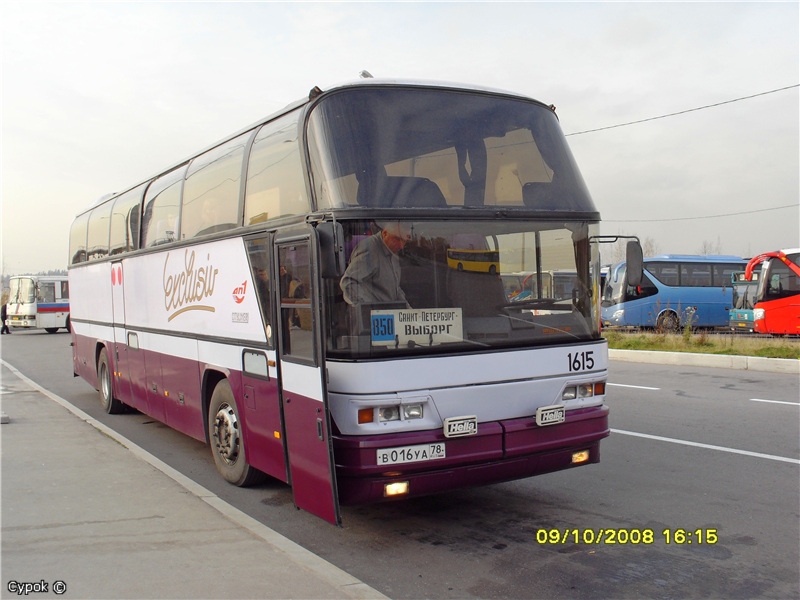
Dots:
pixel 313 95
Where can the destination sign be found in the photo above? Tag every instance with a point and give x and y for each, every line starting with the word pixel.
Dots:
pixel 416 327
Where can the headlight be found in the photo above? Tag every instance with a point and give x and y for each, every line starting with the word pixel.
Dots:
pixel 758 314
pixel 412 411
pixel 618 314
pixel 584 390
pixel 389 413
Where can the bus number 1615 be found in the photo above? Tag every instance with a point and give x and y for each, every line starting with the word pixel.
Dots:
pixel 580 361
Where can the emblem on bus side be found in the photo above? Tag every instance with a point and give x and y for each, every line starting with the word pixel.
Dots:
pixel 460 426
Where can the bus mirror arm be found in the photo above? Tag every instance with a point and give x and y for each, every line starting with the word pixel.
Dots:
pixel 634 257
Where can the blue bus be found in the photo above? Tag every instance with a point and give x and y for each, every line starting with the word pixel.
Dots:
pixel 675 291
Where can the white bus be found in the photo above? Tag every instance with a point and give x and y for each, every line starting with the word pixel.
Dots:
pixel 38 302
pixel 211 296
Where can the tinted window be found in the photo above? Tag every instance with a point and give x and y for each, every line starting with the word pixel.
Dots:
pixel 160 222
pixel 666 273
pixel 275 181
pixel 781 282
pixel 696 275
pixel 211 191
pixel 77 240
pixel 723 273
pixel 259 255
pixel 99 224
pixel 125 221
pixel 435 148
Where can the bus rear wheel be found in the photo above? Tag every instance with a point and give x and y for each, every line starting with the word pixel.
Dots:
pixel 51 329
pixel 110 404
pixel 668 322
pixel 225 435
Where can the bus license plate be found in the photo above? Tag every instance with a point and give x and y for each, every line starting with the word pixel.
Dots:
pixel 550 415
pixel 407 454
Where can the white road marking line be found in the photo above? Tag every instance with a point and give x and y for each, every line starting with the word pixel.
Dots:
pixel 638 387
pixel 794 461
pixel 774 401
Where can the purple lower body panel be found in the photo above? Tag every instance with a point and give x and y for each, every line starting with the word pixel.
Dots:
pixel 500 451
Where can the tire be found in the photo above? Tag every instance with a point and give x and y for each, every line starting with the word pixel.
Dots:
pixel 110 404
pixel 225 435
pixel 668 322
pixel 51 329
pixel 492 269
pixel 68 326
pixel 460 267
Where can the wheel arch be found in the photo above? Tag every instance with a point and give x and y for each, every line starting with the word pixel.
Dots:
pixel 211 377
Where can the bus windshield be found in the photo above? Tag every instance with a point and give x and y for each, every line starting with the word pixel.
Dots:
pixel 455 293
pixel 22 291
pixel 743 290
pixel 415 148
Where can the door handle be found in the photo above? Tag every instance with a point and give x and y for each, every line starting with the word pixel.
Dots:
pixel 319 430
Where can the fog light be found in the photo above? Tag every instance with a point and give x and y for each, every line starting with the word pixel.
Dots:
pixel 397 488
pixel 569 393
pixel 389 413
pixel 412 411
pixel 580 457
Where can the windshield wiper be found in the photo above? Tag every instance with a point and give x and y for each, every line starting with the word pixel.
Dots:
pixel 537 302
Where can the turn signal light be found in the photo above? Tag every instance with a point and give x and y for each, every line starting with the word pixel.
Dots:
pixel 366 415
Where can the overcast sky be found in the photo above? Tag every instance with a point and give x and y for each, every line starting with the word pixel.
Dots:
pixel 99 96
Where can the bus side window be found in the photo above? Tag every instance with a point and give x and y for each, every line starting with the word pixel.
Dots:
pixel 259 256
pixel 47 292
pixel 275 180
pixel 643 290
pixel 211 191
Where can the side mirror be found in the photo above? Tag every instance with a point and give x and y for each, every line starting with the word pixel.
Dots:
pixel 634 260
pixel 331 249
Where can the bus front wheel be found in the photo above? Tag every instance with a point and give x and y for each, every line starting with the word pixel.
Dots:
pixel 225 434
pixel 668 322
pixel 110 404
pixel 51 329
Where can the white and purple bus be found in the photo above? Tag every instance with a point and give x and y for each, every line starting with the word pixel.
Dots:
pixel 209 297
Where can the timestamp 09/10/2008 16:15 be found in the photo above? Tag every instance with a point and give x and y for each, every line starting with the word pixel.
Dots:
pixel 678 536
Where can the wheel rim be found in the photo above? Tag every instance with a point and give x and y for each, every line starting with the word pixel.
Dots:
pixel 226 434
pixel 105 383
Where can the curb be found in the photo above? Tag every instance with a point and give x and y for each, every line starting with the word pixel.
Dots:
pixel 348 585
pixel 691 359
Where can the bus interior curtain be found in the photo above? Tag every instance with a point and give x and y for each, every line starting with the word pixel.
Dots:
pixel 472 165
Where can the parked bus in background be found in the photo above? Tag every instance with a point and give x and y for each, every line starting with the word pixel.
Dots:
pixel 38 302
pixel 777 301
pixel 288 296
pixel 744 292
pixel 553 284
pixel 478 261
pixel 676 290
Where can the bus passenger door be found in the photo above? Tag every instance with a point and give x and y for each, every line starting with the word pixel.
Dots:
pixel 302 374
pixel 122 387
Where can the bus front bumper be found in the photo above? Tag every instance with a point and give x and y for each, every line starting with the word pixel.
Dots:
pixel 500 451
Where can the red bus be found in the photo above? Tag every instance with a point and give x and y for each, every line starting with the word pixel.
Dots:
pixel 777 301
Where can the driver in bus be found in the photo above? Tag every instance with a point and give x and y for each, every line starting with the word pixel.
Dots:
pixel 373 275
